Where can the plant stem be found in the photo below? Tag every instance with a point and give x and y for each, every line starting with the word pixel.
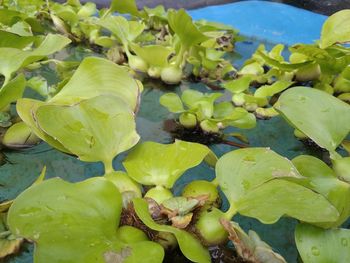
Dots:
pixel 215 182
pixel 108 166
pixel 180 56
pixel 235 144
pixel 230 212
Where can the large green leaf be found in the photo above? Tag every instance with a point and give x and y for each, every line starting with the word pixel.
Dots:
pixel 270 90
pixel 322 179
pixel 258 183
pixel 238 85
pixel 12 91
pixel 316 245
pixel 189 245
pixel 96 129
pixel 281 65
pixel 154 55
pixel 181 23
pixel 336 29
pixel 172 102
pixel 26 109
pixel 152 163
pixel 97 76
pixel 76 223
pixel 124 7
pixel 8 39
pixel 322 117
pixel 13 59
pixel 126 31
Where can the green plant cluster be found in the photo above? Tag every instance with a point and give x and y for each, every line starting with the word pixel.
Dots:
pixel 133 215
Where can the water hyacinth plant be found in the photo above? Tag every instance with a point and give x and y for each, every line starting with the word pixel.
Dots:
pixel 138 212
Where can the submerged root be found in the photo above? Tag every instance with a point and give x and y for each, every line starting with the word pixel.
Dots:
pixel 197 135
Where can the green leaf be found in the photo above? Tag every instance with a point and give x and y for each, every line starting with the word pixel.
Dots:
pixel 201 103
pixel 12 91
pixel 76 223
pixel 39 84
pixel 12 40
pixel 336 29
pixel 19 136
pixel 257 183
pixel 172 102
pixel 181 23
pixel 342 82
pixel 322 117
pixel 152 163
pixel 96 129
pixel 322 179
pixel 13 59
pixel 281 65
pixel 126 31
pixel 154 55
pixel 189 245
pixel 341 167
pixel 87 10
pixel 181 205
pixel 229 115
pixel 270 90
pixel 26 109
pixel 238 85
pixel 124 7
pixel 97 76
pixel 316 245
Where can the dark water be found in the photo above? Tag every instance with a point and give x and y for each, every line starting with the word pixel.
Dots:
pixel 25 166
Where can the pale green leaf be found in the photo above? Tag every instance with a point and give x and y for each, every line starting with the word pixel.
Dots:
pixel 96 129
pixel 76 223
pixel 238 85
pixel 152 163
pixel 172 102
pixel 97 76
pixel 322 117
pixel 258 183
pixel 13 59
pixel 12 91
pixel 154 55
pixel 270 90
pixel 124 7
pixel 26 109
pixel 336 29
pixel 316 245
pixel 181 23
pixel 12 40
pixel 322 179
pixel 126 31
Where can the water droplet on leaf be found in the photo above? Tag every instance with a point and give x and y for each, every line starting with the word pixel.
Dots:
pixel 315 251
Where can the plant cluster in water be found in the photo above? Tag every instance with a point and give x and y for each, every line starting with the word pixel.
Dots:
pixel 89 112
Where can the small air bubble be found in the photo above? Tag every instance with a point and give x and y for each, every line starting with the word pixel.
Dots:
pixel 315 251
pixel 344 242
